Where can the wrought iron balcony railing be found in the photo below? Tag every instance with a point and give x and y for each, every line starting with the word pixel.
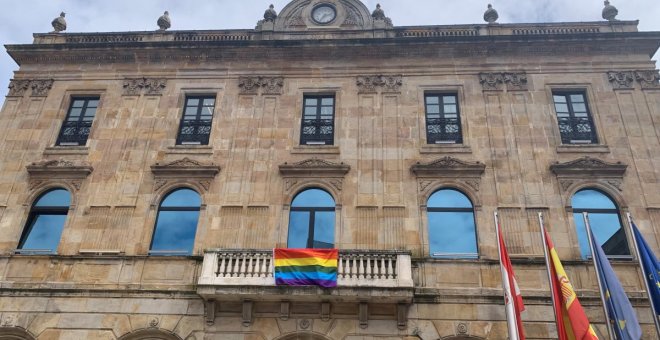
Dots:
pixel 74 133
pixel 194 132
pixel 317 131
pixel 443 130
pixel 577 130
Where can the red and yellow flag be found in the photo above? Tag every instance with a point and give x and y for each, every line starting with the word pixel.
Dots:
pixel 572 323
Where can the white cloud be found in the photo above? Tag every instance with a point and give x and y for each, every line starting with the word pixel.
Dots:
pixel 22 18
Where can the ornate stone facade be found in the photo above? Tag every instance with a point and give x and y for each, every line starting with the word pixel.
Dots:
pixel 103 283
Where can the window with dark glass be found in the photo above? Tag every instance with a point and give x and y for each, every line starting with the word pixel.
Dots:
pixel 605 222
pixel 312 220
pixel 195 127
pixel 452 230
pixel 575 123
pixel 443 121
pixel 45 223
pixel 176 223
pixel 78 123
pixel 318 122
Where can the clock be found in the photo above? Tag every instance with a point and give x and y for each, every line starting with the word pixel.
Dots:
pixel 324 14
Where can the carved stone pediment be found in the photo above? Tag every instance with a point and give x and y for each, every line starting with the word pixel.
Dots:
pixel 448 167
pixel 185 168
pixel 59 169
pixel 589 167
pixel 314 167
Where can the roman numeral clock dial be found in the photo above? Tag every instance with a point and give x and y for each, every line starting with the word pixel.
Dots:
pixel 324 14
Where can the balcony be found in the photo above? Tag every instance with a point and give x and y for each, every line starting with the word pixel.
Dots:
pixel 234 275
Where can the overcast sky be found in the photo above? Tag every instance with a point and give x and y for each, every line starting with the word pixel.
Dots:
pixel 24 17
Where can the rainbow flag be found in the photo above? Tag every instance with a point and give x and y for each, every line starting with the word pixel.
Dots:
pixel 306 267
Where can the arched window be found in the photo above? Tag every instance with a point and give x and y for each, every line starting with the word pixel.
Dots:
pixel 45 223
pixel 605 223
pixel 312 220
pixel 452 230
pixel 176 223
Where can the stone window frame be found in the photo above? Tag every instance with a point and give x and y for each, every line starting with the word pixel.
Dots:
pixel 308 174
pixel 448 173
pixel 183 173
pixel 296 147
pixel 62 113
pixel 459 91
pixel 590 173
pixel 592 104
pixel 47 175
pixel 184 93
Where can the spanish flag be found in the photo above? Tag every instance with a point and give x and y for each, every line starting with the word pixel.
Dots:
pixel 306 267
pixel 572 322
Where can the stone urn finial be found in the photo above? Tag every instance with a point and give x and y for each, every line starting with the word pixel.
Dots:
pixel 378 13
pixel 270 14
pixel 610 12
pixel 59 23
pixel 164 21
pixel 491 15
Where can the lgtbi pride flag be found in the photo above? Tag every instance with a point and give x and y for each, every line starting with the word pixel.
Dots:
pixel 306 267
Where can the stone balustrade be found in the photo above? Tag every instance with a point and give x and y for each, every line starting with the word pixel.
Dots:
pixel 356 268
pixel 395 32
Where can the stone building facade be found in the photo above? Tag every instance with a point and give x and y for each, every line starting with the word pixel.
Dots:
pixel 103 119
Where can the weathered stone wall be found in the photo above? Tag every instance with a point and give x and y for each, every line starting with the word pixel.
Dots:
pixel 513 131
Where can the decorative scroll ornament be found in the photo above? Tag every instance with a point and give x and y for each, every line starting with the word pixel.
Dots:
pixel 314 170
pixel 252 85
pixel 184 171
pixel 449 167
pixel 18 88
pixel 386 83
pixel 146 86
pixel 41 87
pixel 621 79
pixel 491 81
pixel 648 79
pixel 58 171
pixel 515 81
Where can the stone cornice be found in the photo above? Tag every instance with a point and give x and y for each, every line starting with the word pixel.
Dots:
pixel 437 46
pixel 588 167
pixel 448 167
pixel 185 168
pixel 314 167
pixel 59 169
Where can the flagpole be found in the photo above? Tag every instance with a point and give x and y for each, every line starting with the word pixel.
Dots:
pixel 585 216
pixel 508 307
pixel 547 268
pixel 645 275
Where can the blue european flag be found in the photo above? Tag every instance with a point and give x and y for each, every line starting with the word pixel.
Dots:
pixel 619 308
pixel 651 267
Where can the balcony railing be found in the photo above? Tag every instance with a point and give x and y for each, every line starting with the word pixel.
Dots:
pixel 194 132
pixel 577 130
pixel 74 133
pixel 356 268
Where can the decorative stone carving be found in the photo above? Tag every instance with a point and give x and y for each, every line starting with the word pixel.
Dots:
pixel 462 328
pixel 648 79
pixel 325 311
pixel 448 167
pixel 589 169
pixel 491 81
pixel 57 171
pixel 247 313
pixel 268 85
pixel 41 87
pixel 285 307
pixel 402 316
pixel 515 81
pixel 491 16
pixel 209 311
pixel 386 83
pixel 183 171
pixel 621 79
pixel 473 183
pixel 305 323
pixel 363 315
pixel 164 21
pixel 270 15
pixel 17 88
pixel 610 12
pixel 314 170
pixel 378 13
pixel 153 323
pixel 59 23
pixel 146 86
pixel 272 85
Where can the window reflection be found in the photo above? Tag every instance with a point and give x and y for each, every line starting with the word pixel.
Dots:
pixel 604 220
pixel 452 230
pixel 312 220
pixel 46 221
pixel 176 223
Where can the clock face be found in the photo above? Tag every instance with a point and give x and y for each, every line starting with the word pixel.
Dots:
pixel 324 14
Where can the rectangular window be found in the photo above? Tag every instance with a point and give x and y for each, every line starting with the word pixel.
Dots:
pixel 78 122
pixel 318 122
pixel 195 127
pixel 575 123
pixel 443 121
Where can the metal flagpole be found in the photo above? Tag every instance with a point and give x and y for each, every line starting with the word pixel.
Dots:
pixel 585 216
pixel 547 267
pixel 645 275
pixel 508 301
